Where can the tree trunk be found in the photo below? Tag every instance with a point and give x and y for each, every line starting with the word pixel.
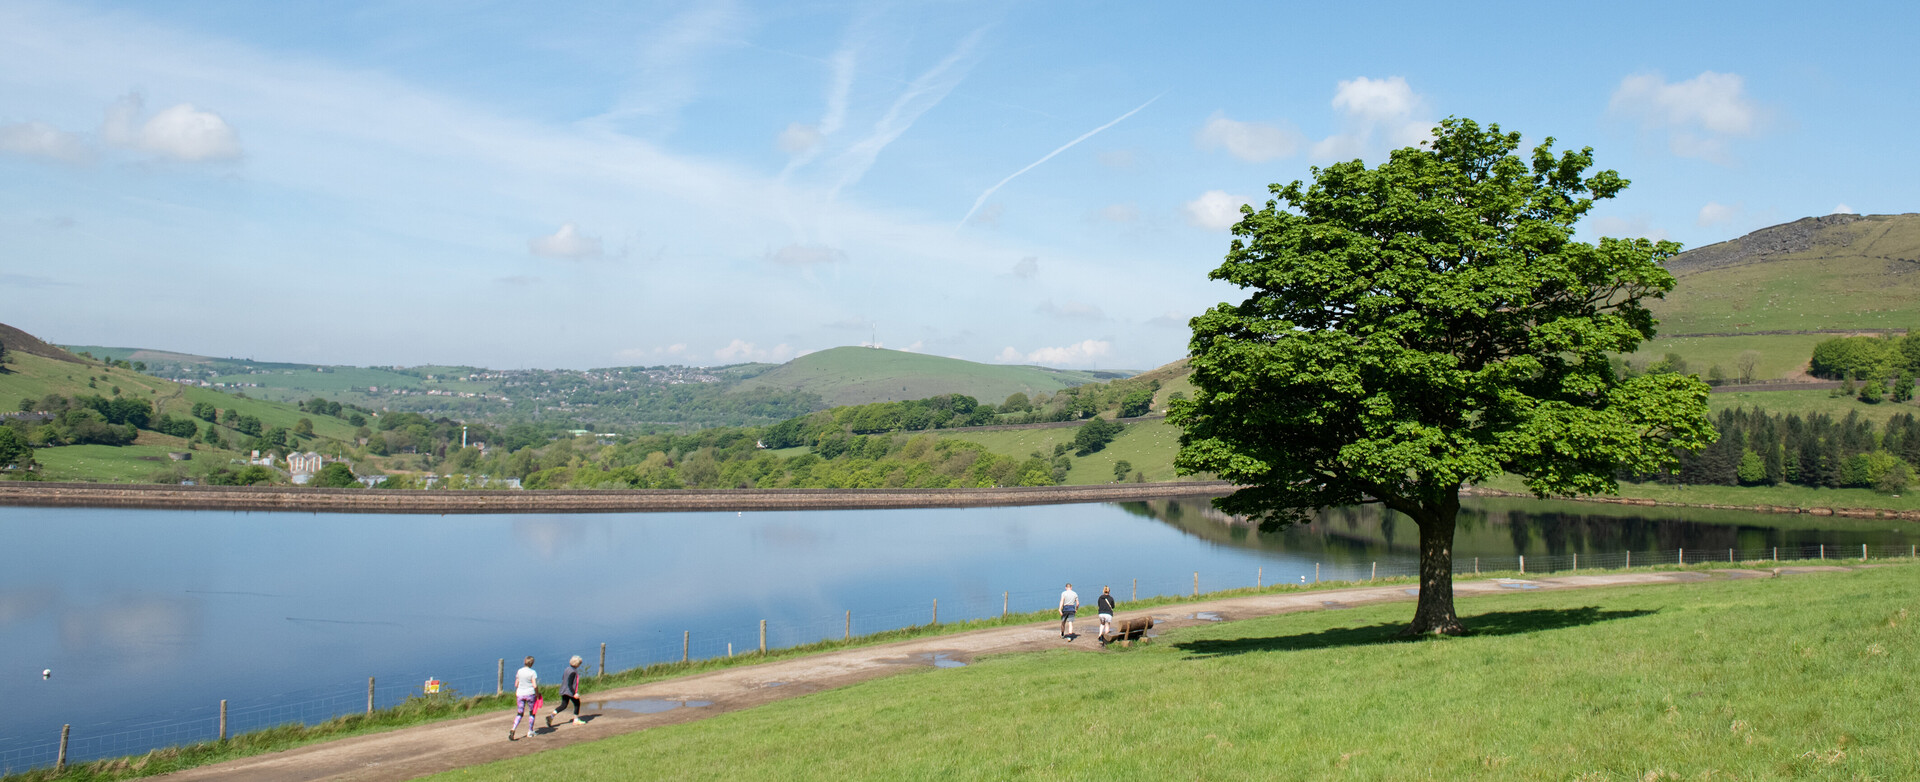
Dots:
pixel 1434 615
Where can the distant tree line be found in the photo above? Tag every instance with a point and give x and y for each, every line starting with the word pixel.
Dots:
pixel 1761 449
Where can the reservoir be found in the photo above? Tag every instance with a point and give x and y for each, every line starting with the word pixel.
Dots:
pixel 148 619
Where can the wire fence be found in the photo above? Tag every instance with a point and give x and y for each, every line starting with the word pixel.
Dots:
pixel 75 744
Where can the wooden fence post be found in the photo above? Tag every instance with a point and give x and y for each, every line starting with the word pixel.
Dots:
pixel 1629 560
pixel 1863 552
pixel 1823 552
pixel 60 761
pixel 1375 575
pixel 223 719
pixel 1004 599
pixel 1476 566
pixel 500 684
pixel 1523 564
pixel 1683 556
pixel 1136 591
pixel 936 610
pixel 763 636
pixel 603 658
pixel 686 645
pixel 849 635
pixel 1196 583
pixel 369 696
pixel 1259 577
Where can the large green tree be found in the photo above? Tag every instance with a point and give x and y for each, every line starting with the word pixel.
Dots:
pixel 1426 324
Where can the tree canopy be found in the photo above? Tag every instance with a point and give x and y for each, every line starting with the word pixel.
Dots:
pixel 1425 324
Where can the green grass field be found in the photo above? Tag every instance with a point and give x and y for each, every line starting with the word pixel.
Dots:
pixel 1803 677
pixel 1786 495
pixel 1780 355
pixel 114 463
pixel 1148 445
pixel 853 376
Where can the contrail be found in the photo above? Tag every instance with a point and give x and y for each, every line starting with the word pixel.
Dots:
pixel 1063 147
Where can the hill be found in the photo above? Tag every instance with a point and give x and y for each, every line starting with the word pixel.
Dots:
pixel 857 375
pixel 33 375
pixel 19 341
pixel 1780 289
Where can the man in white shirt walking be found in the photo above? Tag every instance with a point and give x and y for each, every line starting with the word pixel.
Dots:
pixel 526 688
pixel 1069 603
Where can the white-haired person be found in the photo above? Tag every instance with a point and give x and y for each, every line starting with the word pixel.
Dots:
pixel 569 692
pixel 526 693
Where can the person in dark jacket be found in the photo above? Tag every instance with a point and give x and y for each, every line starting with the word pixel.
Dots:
pixel 1106 611
pixel 569 692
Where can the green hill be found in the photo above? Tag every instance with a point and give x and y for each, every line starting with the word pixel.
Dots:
pixel 1818 274
pixel 855 375
pixel 32 375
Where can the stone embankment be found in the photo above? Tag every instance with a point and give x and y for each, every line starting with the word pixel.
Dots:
pixel 1853 513
pixel 282 498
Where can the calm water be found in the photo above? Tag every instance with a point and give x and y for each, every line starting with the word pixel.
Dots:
pixel 149 618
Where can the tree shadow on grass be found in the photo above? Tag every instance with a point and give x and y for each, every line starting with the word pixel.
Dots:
pixel 1486 625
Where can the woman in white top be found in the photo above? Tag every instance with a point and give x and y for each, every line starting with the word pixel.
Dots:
pixel 526 689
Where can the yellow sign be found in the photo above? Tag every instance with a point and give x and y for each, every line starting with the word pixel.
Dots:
pixel 433 686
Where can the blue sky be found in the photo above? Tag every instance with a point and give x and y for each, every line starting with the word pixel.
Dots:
pixel 642 183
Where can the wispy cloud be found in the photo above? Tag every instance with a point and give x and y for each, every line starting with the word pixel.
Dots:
pixel 666 73
pixel 921 95
pixel 38 139
pixel 566 243
pixel 1699 114
pixel 1079 354
pixel 1253 142
pixel 1215 210
pixel 1049 156
pixel 1374 110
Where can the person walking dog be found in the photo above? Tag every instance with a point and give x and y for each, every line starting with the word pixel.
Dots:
pixel 1069 603
pixel 569 692
pixel 526 692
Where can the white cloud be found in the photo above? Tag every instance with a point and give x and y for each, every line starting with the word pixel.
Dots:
pixel 1713 102
pixel 1215 210
pixel 799 138
pixel 567 243
pixel 1081 353
pixel 1382 100
pixel 181 132
pixel 39 139
pixel 740 350
pixel 1027 268
pixel 1715 213
pixel 1072 310
pixel 806 255
pixel 1699 113
pixel 1254 142
pixel 1842 209
pixel 1119 213
pixel 990 214
pixel 1374 110
pixel 1168 319
pixel 1636 227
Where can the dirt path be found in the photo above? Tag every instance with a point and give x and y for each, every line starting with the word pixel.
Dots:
pixel 412 752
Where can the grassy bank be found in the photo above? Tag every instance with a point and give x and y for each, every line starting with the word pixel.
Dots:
pixel 1785 495
pixel 1797 677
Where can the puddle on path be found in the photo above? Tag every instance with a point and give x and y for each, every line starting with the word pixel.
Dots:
pixel 1415 591
pixel 1208 616
pixel 646 705
pixel 1516 584
pixel 1333 605
pixel 940 660
pixel 773 684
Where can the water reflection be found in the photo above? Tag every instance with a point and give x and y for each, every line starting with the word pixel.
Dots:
pixel 1494 526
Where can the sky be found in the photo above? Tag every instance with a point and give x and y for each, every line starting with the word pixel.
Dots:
pixel 576 185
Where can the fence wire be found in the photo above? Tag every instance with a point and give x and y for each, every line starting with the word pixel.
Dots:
pixel 135 736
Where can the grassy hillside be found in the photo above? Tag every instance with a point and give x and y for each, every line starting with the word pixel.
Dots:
pixel 1727 679
pixel 1833 272
pixel 30 376
pixel 1148 445
pixel 854 375
pixel 1819 273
